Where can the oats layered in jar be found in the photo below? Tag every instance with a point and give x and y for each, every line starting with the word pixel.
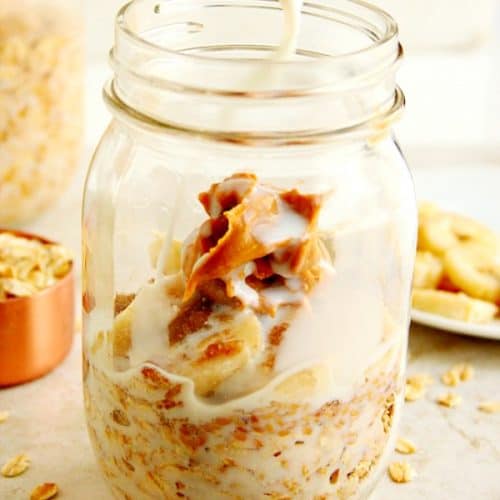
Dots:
pixel 241 369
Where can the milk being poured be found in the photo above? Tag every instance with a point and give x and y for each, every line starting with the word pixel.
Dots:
pixel 292 12
pixel 287 49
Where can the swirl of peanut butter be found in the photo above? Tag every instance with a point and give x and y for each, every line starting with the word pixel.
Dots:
pixel 257 232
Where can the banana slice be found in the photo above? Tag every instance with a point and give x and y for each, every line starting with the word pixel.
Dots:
pixel 303 384
pixel 428 270
pixel 427 209
pixel 439 232
pixel 121 334
pixel 454 305
pixel 475 269
pixel 217 357
pixel 173 262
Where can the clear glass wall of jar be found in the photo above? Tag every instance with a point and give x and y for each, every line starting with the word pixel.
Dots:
pixel 41 103
pixel 249 236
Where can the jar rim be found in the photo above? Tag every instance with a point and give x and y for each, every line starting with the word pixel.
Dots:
pixel 328 88
pixel 372 131
pixel 390 34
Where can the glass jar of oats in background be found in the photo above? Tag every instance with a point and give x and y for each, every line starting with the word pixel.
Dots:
pixel 249 235
pixel 41 103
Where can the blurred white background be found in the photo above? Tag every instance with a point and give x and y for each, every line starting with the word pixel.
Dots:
pixel 100 15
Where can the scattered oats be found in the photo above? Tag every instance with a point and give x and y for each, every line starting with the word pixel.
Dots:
pixel 4 415
pixel 405 446
pixel 401 472
pixel 16 466
pixel 489 406
pixel 466 372
pixel 449 399
pixel 450 378
pixel 458 373
pixel 416 386
pixel 44 491
pixel 413 392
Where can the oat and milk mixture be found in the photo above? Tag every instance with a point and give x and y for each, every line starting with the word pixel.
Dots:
pixel 229 375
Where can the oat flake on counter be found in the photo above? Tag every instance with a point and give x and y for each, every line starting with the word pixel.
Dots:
pixel 44 491
pixel 401 472
pixel 449 399
pixel 489 406
pixel 16 466
pixel 416 386
pixel 461 372
pixel 405 446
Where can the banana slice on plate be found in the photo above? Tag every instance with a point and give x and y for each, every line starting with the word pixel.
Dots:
pixel 439 232
pixel 427 209
pixel 428 271
pixel 475 269
pixel 454 305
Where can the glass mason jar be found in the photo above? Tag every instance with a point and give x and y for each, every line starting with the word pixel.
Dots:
pixel 249 237
pixel 41 103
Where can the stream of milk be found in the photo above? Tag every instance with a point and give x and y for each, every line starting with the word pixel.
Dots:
pixel 287 49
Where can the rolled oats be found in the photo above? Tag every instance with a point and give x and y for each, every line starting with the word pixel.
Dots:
pixel 413 392
pixel 466 371
pixel 489 406
pixel 459 373
pixel 449 399
pixel 315 432
pixel 416 386
pixel 405 446
pixel 29 265
pixel 450 378
pixel 44 491
pixel 16 466
pixel 41 112
pixel 401 472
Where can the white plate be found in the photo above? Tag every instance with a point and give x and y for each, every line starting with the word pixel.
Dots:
pixel 471 188
pixel 486 330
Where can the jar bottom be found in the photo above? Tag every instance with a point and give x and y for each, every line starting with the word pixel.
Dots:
pixel 283 450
